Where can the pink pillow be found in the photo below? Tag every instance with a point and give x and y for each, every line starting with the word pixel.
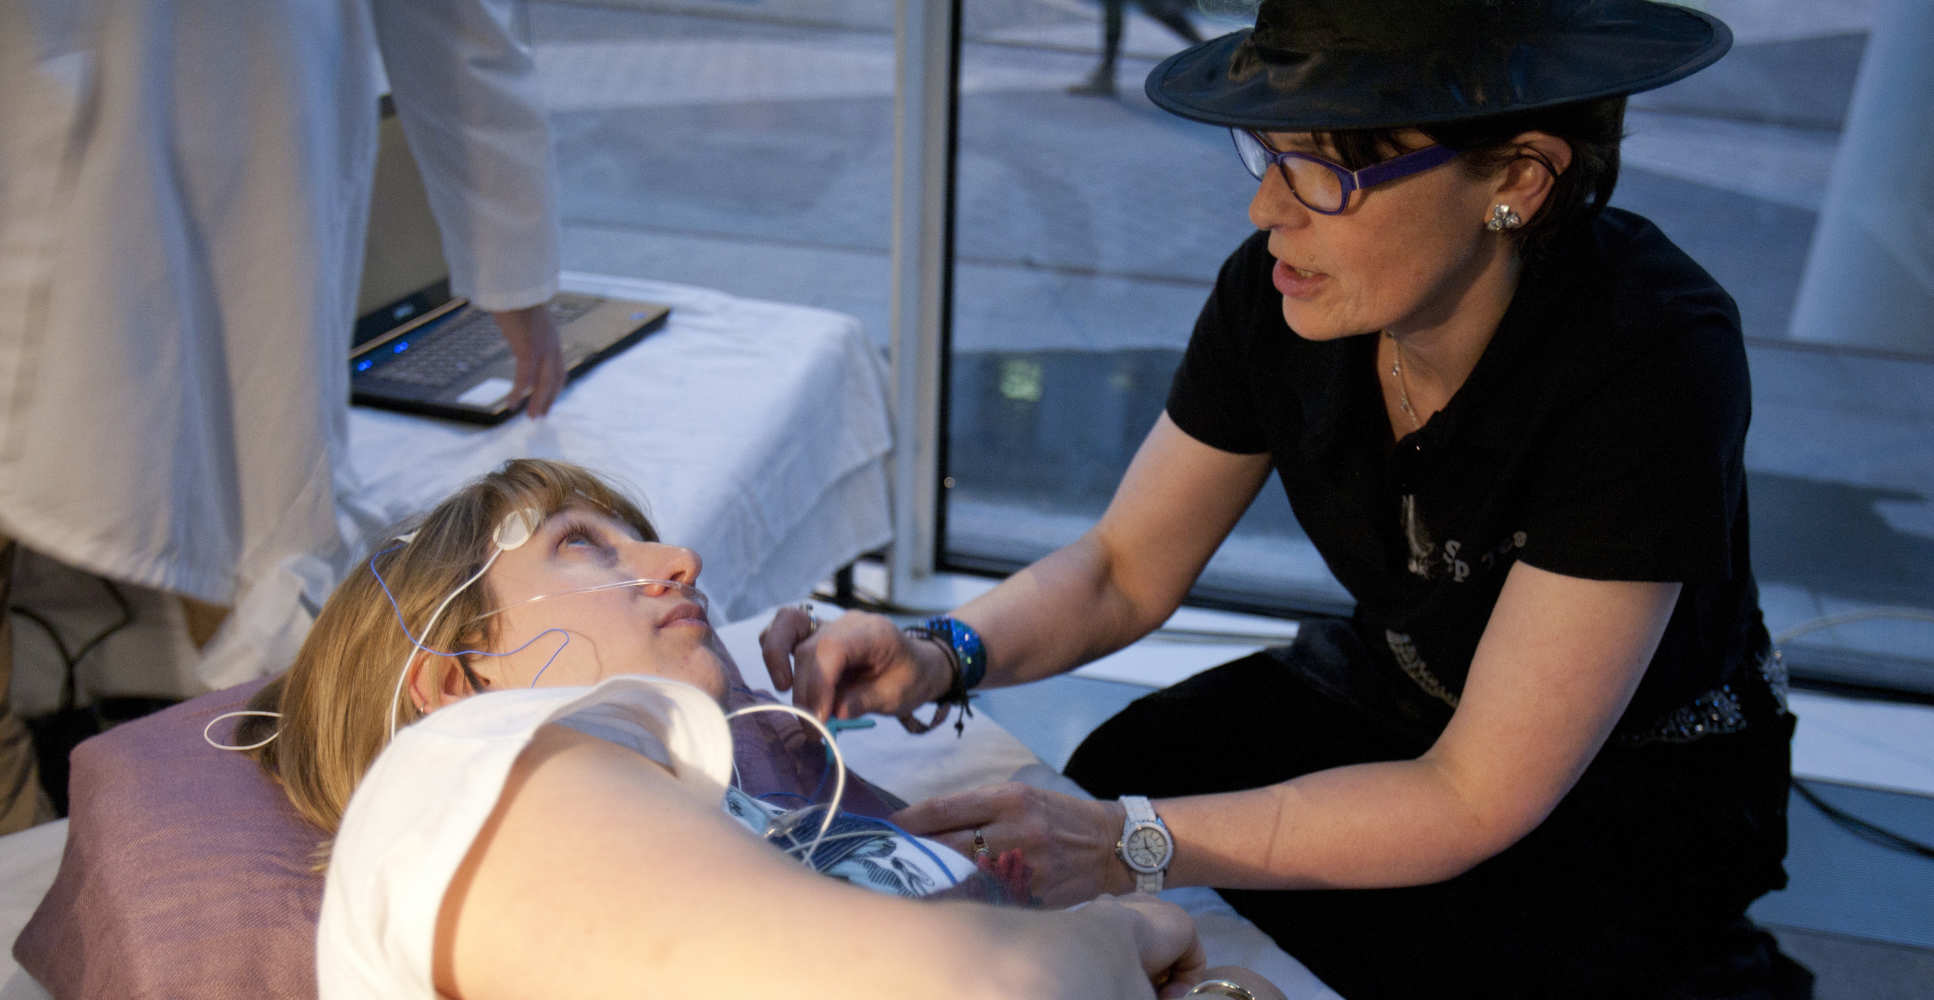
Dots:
pixel 186 871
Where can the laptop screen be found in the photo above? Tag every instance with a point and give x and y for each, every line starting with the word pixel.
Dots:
pixel 403 269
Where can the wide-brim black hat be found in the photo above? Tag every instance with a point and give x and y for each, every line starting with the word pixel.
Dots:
pixel 1311 65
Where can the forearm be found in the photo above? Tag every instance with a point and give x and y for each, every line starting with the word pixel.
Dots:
pixel 1125 576
pixel 1556 667
pixel 1086 953
pixel 520 320
pixel 468 94
pixel 843 943
pixel 1062 611
pixel 1379 825
pixel 861 946
pixel 658 888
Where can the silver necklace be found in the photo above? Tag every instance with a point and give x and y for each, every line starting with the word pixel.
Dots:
pixel 1415 536
pixel 1403 389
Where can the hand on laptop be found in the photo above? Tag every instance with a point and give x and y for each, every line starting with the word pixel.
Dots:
pixel 533 341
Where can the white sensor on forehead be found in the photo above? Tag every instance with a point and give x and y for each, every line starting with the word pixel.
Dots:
pixel 517 528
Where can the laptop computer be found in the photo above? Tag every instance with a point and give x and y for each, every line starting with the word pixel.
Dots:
pixel 418 349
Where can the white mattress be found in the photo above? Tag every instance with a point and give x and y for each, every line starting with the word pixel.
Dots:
pixel 911 767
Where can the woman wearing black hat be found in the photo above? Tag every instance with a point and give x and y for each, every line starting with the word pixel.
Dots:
pixel 1548 753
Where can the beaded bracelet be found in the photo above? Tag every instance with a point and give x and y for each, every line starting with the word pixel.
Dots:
pixel 966 658
pixel 970 656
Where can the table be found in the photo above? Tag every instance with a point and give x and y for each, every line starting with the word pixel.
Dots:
pixel 755 432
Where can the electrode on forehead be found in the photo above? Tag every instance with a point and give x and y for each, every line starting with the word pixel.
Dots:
pixel 517 528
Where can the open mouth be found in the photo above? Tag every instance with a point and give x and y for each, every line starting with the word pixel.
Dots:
pixel 1297 282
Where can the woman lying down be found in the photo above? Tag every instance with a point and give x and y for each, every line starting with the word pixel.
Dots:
pixel 513 720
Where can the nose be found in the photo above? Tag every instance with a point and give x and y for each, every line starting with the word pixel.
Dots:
pixel 659 561
pixel 1274 205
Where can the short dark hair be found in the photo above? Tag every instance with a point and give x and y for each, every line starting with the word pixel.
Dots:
pixel 1592 128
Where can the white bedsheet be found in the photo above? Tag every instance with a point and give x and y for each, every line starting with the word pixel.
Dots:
pixel 911 767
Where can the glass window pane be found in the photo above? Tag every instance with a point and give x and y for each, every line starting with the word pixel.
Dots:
pixel 741 146
pixel 1088 229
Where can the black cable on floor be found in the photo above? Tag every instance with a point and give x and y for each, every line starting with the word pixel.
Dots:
pixel 71 659
pixel 1861 828
pixel 56 733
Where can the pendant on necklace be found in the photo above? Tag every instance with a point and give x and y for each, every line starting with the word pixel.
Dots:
pixel 1417 537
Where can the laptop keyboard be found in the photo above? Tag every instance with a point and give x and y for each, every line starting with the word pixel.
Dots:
pixel 455 349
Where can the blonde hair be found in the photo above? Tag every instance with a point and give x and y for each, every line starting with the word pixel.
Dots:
pixel 335 699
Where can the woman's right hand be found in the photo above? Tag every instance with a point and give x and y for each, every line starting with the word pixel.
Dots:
pixel 853 665
pixel 1165 939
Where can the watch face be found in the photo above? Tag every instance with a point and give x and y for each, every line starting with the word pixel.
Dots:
pixel 1145 849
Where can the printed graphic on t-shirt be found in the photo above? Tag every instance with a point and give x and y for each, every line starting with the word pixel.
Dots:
pixel 858 849
pixel 1449 561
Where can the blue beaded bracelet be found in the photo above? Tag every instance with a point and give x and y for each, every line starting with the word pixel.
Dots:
pixel 968 660
pixel 967 648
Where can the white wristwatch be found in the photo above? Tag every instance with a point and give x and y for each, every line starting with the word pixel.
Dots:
pixel 1145 846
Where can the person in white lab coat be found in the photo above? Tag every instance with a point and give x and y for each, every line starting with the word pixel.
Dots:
pixel 184 188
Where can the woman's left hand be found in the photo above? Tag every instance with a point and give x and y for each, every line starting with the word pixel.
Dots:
pixel 1068 841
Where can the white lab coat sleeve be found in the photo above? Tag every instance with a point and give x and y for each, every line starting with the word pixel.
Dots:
pixel 465 85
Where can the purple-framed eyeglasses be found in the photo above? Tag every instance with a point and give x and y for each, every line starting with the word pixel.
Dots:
pixel 1323 186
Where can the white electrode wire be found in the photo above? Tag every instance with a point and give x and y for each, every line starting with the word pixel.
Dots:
pixel 416 645
pixel 871 834
pixel 692 593
pixel 798 849
pixel 839 764
pixel 210 740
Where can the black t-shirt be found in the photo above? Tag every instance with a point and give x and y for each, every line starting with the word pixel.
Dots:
pixel 1601 435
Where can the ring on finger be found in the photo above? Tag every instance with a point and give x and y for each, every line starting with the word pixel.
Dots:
pixel 980 844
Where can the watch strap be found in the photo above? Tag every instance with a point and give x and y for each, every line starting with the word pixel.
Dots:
pixel 1141 813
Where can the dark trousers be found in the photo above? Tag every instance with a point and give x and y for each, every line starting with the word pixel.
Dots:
pixel 1636 886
